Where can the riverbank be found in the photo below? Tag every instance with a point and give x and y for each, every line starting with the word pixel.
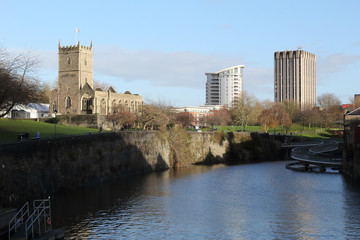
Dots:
pixel 36 169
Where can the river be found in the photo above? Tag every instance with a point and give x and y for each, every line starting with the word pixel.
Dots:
pixel 250 201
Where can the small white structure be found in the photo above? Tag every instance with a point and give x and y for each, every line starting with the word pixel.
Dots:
pixel 32 110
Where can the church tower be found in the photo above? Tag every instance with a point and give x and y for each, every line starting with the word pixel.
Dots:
pixel 75 72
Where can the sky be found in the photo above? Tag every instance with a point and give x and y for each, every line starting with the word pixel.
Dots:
pixel 161 49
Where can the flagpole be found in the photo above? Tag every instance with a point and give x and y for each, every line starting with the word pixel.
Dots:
pixel 75 36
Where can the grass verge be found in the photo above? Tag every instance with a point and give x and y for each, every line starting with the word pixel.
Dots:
pixel 11 128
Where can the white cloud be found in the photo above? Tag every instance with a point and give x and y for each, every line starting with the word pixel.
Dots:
pixel 259 81
pixel 336 62
pixel 185 69
pixel 176 69
pixel 356 44
pixel 165 69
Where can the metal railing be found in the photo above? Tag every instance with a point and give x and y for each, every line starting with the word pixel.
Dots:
pixel 19 218
pixel 40 216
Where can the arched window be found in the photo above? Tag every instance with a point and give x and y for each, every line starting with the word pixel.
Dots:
pixel 103 107
pixel 68 60
pixel 68 102
pixel 54 106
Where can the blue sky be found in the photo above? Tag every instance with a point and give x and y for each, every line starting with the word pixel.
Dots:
pixel 161 49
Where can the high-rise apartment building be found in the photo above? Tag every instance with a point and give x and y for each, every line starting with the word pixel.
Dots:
pixel 224 87
pixel 295 77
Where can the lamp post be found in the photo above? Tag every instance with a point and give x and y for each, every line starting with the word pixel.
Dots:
pixel 55 111
pixel 114 120
pixel 155 121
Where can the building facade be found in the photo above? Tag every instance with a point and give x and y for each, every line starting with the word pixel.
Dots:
pixel 75 93
pixel 295 77
pixel 224 87
pixel 198 114
pixel 31 110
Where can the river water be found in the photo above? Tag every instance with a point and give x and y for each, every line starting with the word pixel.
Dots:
pixel 251 201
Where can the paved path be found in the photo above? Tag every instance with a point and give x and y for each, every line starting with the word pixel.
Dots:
pixel 316 154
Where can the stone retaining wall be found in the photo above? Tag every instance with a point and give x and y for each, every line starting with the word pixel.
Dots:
pixel 37 168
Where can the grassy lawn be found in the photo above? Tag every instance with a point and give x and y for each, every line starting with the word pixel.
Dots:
pixel 296 130
pixel 10 128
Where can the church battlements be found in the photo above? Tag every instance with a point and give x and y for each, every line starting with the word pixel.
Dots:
pixel 75 47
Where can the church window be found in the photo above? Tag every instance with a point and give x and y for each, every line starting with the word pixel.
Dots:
pixel 54 106
pixel 68 102
pixel 68 60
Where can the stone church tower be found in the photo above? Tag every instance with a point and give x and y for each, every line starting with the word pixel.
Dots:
pixel 75 93
pixel 75 70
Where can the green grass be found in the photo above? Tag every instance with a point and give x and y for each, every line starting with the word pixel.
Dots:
pixel 10 128
pixel 296 129
pixel 240 128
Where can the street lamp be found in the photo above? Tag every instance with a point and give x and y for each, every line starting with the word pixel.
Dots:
pixel 155 121
pixel 55 111
pixel 114 120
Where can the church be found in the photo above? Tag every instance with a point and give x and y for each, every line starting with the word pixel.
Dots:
pixel 75 93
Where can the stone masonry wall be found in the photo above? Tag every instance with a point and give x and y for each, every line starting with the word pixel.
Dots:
pixel 37 168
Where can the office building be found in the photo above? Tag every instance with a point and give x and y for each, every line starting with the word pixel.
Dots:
pixel 295 77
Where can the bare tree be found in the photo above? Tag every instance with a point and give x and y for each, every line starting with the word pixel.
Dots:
pixel 310 117
pixel 17 80
pixel 243 109
pixel 274 117
pixel 292 108
pixel 328 100
pixel 221 117
pixel 155 115
pixel 330 107
pixel 123 117
pixel 185 119
pixel 100 84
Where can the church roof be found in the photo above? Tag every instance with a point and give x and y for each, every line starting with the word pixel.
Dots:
pixel 111 89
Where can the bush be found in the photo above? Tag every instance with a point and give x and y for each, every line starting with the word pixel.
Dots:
pixel 52 120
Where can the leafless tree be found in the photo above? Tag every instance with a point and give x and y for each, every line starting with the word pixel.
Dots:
pixel 100 84
pixel 155 116
pixel 328 100
pixel 274 117
pixel 184 119
pixel 18 81
pixel 221 117
pixel 244 109
pixel 292 108
pixel 123 117
pixel 330 107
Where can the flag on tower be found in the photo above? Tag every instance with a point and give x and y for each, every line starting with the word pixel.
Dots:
pixel 77 30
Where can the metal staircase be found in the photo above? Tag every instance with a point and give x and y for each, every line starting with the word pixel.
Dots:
pixel 25 226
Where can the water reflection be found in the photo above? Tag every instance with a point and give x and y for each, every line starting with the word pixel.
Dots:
pixel 256 201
